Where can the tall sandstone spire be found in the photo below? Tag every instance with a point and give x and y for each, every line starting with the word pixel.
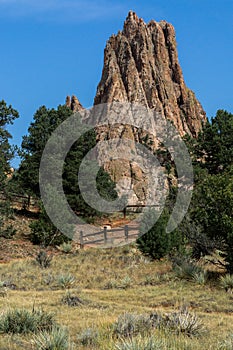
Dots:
pixel 141 66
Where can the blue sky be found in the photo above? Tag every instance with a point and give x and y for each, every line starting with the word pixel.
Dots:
pixel 52 48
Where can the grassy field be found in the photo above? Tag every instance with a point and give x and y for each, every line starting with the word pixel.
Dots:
pixel 88 290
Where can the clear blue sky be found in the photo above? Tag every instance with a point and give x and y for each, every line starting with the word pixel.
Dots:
pixel 52 48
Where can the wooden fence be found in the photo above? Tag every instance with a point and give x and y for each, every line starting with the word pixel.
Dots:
pixel 109 237
pixel 21 202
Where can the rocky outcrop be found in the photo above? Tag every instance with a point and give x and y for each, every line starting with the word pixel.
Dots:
pixel 141 66
pixel 73 103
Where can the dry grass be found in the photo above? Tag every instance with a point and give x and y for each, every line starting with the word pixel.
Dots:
pixel 100 283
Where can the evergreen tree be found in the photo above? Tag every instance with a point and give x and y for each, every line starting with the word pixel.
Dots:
pixel 212 202
pixel 214 146
pixel 156 242
pixel 7 116
pixel 45 122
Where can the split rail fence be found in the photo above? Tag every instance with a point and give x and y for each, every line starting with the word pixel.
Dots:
pixel 109 237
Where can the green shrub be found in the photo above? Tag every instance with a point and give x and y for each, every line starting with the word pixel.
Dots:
pixel 24 321
pixel 56 339
pixel 43 231
pixel 8 232
pixel 155 242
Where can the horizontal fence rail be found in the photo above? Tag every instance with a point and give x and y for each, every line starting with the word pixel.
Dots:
pixel 107 237
pixel 24 202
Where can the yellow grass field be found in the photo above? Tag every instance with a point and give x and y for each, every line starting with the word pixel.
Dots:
pixel 109 283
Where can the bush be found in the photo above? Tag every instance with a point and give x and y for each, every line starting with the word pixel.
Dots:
pixel 128 325
pixel 24 321
pixel 156 242
pixel 8 232
pixel 56 339
pixel 44 233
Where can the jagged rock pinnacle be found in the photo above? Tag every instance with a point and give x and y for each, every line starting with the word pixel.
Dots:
pixel 141 66
pixel 73 103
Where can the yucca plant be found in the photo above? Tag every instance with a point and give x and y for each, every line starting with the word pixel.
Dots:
pixel 111 284
pixel 186 269
pixel 88 337
pixel 125 283
pixel 129 324
pixel 24 321
pixel 56 339
pixel 140 343
pixel 65 247
pixel 43 259
pixel 66 281
pixel 226 344
pixel 184 322
pixel 226 282
pixel 200 277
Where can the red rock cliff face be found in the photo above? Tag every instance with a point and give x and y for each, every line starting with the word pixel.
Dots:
pixel 141 66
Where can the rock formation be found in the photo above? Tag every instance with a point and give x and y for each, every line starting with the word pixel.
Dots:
pixel 73 103
pixel 141 66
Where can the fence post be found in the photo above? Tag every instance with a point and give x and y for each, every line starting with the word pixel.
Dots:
pixel 126 233
pixel 29 200
pixel 81 240
pixel 124 212
pixel 105 235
